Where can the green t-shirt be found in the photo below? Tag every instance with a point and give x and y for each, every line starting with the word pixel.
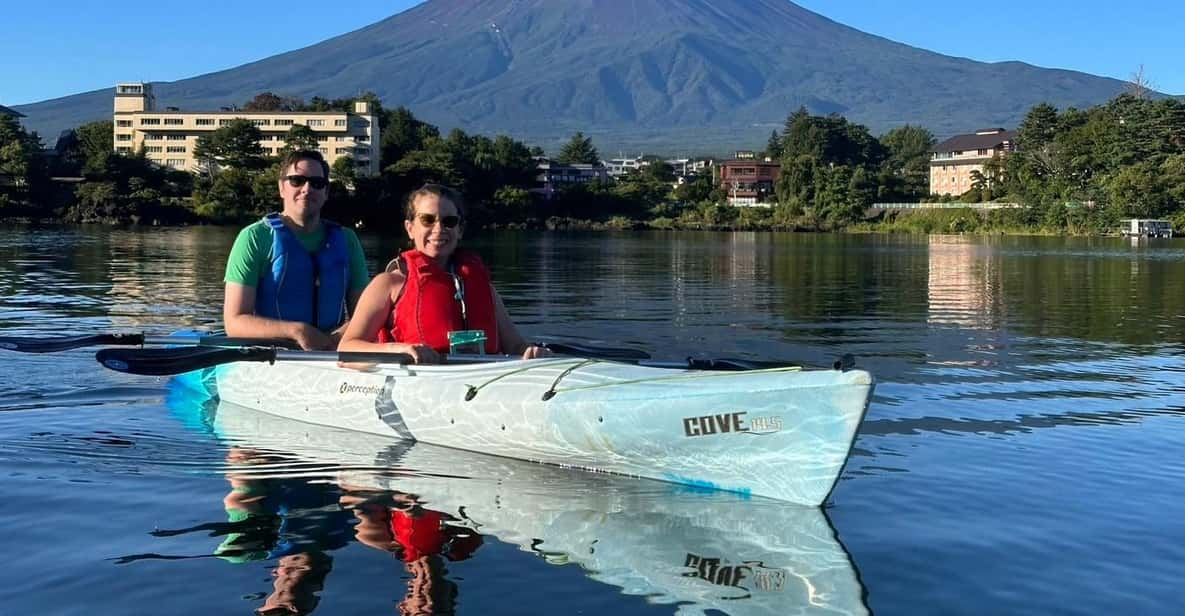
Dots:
pixel 250 257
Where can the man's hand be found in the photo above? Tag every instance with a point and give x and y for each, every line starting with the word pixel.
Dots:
pixel 310 338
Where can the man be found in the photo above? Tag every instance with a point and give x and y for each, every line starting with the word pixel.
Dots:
pixel 293 275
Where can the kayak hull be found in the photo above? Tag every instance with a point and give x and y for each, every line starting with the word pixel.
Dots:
pixel 781 433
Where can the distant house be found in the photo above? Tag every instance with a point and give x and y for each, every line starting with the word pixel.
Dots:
pixel 1146 227
pixel 748 181
pixel 552 175
pixel 953 160
pixel 618 167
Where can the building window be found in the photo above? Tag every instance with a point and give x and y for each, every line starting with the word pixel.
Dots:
pixel 124 149
pixel 149 121
pixel 176 137
pixel 283 123
pixel 123 123
pixel 204 121
pixel 123 137
pixel 340 151
pixel 153 149
pixel 176 163
pixel 339 122
pixel 263 122
pixel 175 149
pixel 982 152
pixel 225 121
pixel 174 121
pixel 153 137
pixel 316 122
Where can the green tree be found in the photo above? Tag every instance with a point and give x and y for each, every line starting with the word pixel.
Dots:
pixel 906 167
pixel 267 101
pixel 344 171
pixel 695 190
pixel 1038 129
pixel 234 195
pixel 300 137
pixel 235 145
pixel 402 132
pixel 578 150
pixel 511 203
pixel 830 140
pixel 773 147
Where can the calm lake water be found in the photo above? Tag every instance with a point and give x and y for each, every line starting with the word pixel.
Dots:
pixel 1023 453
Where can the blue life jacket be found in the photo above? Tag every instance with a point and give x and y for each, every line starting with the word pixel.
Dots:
pixel 310 288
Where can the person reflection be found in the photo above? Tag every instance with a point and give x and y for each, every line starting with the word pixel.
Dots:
pixel 292 521
pixel 422 538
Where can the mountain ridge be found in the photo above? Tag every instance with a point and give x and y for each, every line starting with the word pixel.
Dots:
pixel 694 76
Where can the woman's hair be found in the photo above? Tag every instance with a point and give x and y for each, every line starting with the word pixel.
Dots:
pixel 440 191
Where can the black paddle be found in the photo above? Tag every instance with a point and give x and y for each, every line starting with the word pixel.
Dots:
pixel 31 344
pixel 580 350
pixel 165 362
pixel 53 344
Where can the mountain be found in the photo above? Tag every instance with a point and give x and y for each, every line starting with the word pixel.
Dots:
pixel 666 76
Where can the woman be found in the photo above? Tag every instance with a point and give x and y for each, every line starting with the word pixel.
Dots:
pixel 432 290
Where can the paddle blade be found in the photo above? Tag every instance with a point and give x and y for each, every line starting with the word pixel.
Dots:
pixel 166 362
pixel 53 344
pixel 610 353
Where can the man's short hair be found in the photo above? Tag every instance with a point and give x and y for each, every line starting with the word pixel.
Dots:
pixel 296 156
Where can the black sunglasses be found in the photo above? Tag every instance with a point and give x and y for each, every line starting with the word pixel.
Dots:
pixel 430 219
pixel 315 181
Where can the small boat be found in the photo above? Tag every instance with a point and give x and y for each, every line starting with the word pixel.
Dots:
pixel 737 425
pixel 783 433
pixel 701 550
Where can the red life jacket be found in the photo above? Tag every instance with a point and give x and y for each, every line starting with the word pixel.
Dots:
pixel 426 532
pixel 428 308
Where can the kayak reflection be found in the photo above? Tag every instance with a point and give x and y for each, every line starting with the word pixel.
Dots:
pixel 698 550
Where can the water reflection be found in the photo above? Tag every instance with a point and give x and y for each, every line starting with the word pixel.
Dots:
pixel 291 485
pixel 689 288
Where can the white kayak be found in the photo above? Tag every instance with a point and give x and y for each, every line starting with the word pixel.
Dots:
pixel 782 433
pixel 700 550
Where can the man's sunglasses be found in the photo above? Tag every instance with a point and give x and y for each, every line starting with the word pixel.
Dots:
pixel 315 181
pixel 430 219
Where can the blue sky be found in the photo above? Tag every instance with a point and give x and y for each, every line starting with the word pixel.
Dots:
pixel 53 48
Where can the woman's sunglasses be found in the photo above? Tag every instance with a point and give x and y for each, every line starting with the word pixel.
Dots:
pixel 315 181
pixel 430 219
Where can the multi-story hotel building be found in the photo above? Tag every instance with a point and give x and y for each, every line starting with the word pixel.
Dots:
pixel 953 160
pixel 168 137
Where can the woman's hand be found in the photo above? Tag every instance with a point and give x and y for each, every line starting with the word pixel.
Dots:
pixel 534 352
pixel 421 353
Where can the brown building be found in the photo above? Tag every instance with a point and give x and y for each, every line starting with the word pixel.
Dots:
pixel 953 160
pixel 748 181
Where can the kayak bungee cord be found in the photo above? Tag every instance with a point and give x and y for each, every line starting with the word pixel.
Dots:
pixel 551 390
pixel 690 374
pixel 471 393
